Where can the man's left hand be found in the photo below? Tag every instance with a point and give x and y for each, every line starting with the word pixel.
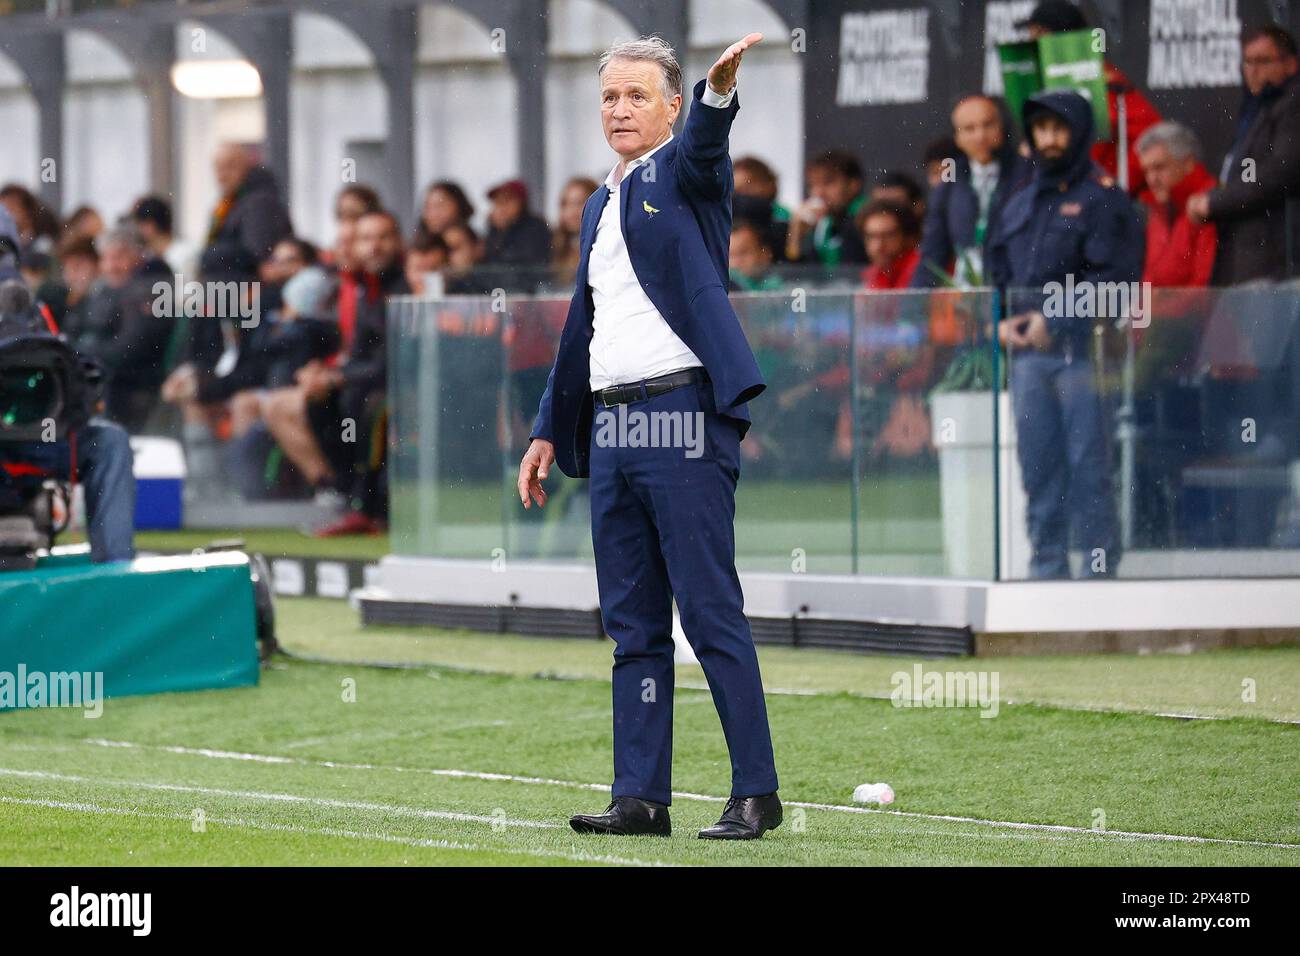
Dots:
pixel 1198 207
pixel 1036 333
pixel 722 75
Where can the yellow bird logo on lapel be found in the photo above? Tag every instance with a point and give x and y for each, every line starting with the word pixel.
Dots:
pixel 648 208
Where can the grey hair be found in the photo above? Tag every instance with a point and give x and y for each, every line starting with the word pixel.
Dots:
pixel 652 49
pixel 127 236
pixel 1175 137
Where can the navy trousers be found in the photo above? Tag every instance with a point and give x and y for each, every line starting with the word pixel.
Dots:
pixel 662 523
pixel 1065 460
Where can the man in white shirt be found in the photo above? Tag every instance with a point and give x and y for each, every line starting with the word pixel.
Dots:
pixel 648 397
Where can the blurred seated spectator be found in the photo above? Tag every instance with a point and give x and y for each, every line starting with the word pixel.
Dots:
pixel 426 255
pixel 750 259
pixel 332 422
pixel 1179 252
pixel 965 209
pixel 464 247
pixel 351 203
pixel 347 269
pixel 565 254
pixel 37 226
pixel 37 271
pixel 754 198
pixel 84 223
pixel 518 241
pixel 354 201
pixel 891 234
pixel 129 334
pixel 303 329
pixel 902 190
pixel 152 217
pixel 1261 170
pixel 80 266
pixel 260 344
pixel 824 227
pixel 445 205
pixel 92 334
pixel 464 253
pixel 289 257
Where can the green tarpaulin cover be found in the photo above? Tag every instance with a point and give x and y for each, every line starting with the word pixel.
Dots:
pixel 147 626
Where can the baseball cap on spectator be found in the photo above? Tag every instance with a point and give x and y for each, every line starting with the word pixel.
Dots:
pixel 309 293
pixel 1054 16
pixel 516 186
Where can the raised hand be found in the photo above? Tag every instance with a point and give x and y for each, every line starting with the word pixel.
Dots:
pixel 722 75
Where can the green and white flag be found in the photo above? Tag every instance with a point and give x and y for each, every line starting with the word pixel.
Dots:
pixel 1070 60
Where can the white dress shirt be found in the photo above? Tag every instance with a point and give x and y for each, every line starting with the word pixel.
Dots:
pixel 630 340
pixel 969 269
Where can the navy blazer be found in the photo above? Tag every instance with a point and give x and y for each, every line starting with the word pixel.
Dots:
pixel 676 220
pixel 954 213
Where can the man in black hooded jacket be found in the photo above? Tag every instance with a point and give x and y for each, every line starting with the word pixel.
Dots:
pixel 1062 243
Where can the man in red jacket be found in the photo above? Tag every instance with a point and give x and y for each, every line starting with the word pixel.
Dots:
pixel 891 234
pixel 1180 252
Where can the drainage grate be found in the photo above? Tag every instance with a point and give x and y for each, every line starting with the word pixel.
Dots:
pixel 862 636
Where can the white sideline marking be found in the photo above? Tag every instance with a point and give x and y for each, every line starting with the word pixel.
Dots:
pixel 796 691
pixel 380 837
pixel 287 798
pixel 683 795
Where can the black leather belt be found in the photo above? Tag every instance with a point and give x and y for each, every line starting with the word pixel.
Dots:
pixel 648 388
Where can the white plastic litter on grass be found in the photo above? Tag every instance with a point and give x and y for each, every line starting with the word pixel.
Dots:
pixel 881 793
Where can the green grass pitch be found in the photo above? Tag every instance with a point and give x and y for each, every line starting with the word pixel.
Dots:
pixel 477 748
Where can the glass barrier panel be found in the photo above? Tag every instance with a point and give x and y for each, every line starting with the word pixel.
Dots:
pixel 923 433
pixel 795 498
pixel 446 448
pixel 561 531
pixel 1158 433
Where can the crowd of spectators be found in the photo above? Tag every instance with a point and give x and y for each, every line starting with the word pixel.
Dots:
pixel 1200 229
pixel 295 403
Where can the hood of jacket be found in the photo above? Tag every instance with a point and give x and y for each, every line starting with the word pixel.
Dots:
pixel 1076 111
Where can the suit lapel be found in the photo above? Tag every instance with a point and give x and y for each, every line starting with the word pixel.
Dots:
pixel 590 219
pixel 587 238
pixel 625 198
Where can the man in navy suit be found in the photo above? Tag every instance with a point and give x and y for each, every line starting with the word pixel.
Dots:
pixel 647 398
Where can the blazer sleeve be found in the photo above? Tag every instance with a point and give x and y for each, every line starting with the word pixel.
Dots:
pixel 542 427
pixel 703 163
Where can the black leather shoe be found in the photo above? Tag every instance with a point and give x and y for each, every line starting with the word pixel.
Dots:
pixel 626 816
pixel 746 818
